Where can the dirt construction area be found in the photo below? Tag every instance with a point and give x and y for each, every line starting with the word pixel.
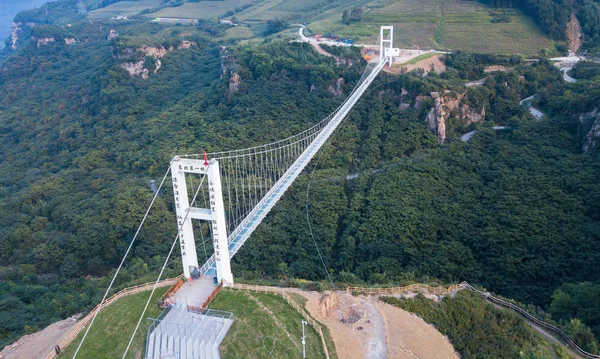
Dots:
pixel 369 328
pixel 40 344
pixel 434 63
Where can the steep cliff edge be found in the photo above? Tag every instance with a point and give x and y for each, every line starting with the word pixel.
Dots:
pixel 150 61
pixel 446 106
pixel 591 124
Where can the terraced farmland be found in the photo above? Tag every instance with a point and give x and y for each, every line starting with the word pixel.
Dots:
pixel 124 8
pixel 424 24
pixel 441 24
pixel 201 9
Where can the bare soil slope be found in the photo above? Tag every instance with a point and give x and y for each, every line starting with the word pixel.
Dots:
pixel 574 34
pixel 40 344
pixel 434 63
pixel 373 329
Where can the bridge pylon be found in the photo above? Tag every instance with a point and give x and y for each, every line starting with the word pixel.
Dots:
pixel 386 43
pixel 215 215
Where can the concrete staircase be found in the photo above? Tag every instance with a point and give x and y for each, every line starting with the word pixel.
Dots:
pixel 188 335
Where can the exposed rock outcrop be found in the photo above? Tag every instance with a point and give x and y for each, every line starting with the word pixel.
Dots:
pixel 14 35
pixel 135 69
pixel 44 41
pixel 139 68
pixel 591 142
pixel 234 82
pixel 444 106
pixel 155 52
pixel 436 118
pixel 185 44
pixel 69 41
pixel 337 89
pixel 112 34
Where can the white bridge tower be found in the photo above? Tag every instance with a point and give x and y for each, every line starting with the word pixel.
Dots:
pixel 293 153
pixel 386 41
pixel 215 215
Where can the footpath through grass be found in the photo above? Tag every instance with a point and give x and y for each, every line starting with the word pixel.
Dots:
pixel 113 327
pixel 279 326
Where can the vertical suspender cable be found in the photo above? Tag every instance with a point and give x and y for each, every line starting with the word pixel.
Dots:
pixel 237 197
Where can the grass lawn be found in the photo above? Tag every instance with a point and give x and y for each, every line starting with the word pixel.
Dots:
pixel 252 324
pixel 113 327
pixel 239 33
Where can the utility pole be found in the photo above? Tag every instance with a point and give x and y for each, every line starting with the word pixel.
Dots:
pixel 303 340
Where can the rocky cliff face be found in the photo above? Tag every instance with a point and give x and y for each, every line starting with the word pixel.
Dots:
pixel 436 118
pixel 44 41
pixel 14 35
pixel 234 82
pixel 591 141
pixel 227 61
pixel 112 34
pixel 444 106
pixel 139 68
pixel 337 89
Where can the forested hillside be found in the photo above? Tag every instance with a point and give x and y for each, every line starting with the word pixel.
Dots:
pixel 516 211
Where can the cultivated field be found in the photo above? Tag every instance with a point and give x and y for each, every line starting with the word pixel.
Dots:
pixel 439 24
pixel 291 10
pixel 419 24
pixel 124 8
pixel 201 9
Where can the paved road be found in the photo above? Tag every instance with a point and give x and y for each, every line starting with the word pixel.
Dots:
pixel 566 76
pixel 535 112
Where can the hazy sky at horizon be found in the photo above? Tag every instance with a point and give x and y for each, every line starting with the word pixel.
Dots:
pixel 9 9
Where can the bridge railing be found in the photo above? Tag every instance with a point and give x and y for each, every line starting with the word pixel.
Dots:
pixel 278 291
pixel 531 318
pixel 88 318
pixel 417 287
pixel 172 290
pixel 212 295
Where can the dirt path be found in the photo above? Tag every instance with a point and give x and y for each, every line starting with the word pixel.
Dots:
pixel 320 50
pixel 40 344
pixel 476 83
pixel 574 34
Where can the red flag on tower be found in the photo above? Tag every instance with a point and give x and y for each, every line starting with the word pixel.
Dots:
pixel 205 160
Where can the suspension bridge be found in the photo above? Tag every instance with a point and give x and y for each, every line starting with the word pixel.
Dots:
pixel 229 193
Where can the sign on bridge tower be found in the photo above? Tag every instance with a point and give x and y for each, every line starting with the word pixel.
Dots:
pixel 215 215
